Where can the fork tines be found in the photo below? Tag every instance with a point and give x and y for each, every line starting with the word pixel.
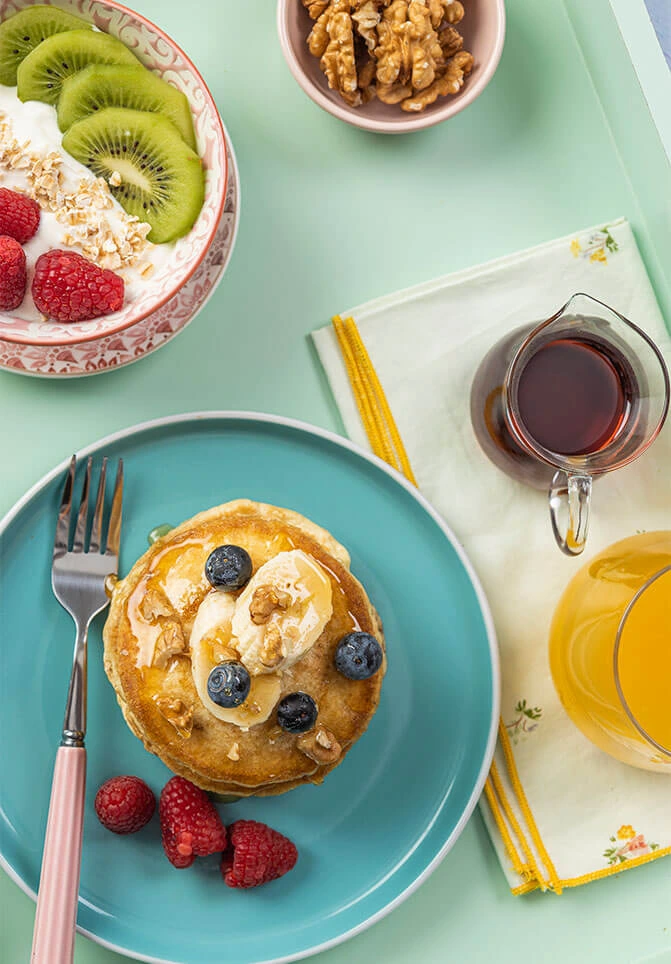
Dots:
pixel 62 540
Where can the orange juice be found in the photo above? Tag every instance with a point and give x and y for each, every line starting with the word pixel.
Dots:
pixel 610 650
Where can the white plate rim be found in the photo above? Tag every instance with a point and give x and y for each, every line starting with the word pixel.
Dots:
pixel 342 442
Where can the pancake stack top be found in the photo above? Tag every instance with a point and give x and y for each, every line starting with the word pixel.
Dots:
pixel 169 628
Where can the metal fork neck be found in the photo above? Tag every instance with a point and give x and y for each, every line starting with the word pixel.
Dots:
pixel 74 724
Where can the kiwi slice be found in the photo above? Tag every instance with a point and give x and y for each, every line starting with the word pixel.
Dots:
pixel 162 180
pixel 103 85
pixel 20 34
pixel 43 71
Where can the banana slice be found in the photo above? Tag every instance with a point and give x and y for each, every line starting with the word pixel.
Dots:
pixel 282 612
pixel 211 643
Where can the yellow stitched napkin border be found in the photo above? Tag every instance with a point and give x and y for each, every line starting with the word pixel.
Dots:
pixel 524 845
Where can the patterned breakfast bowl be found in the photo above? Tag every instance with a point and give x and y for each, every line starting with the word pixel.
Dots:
pixel 392 66
pixel 130 172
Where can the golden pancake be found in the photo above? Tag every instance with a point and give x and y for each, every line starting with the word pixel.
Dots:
pixel 168 628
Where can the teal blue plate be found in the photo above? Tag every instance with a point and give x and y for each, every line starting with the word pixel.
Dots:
pixel 380 823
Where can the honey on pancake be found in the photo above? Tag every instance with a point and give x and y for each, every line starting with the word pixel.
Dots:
pixel 342 621
pixel 167 586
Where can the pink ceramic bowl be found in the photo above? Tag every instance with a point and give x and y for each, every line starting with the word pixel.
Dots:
pixel 483 30
pixel 158 52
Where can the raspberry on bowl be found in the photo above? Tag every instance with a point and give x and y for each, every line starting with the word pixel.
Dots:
pixel 12 273
pixel 68 287
pixel 124 804
pixel 256 855
pixel 19 215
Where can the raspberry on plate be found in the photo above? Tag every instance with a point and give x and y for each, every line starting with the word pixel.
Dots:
pixel 124 804
pixel 19 215
pixel 68 287
pixel 190 824
pixel 12 274
pixel 256 854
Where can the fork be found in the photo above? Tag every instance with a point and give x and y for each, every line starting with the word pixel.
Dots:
pixel 78 579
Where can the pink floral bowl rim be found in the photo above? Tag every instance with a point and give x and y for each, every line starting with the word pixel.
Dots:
pixel 160 53
pixel 147 336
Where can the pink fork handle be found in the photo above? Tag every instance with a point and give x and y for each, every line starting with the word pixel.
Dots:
pixel 54 933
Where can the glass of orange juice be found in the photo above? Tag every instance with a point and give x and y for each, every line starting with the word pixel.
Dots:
pixel 610 650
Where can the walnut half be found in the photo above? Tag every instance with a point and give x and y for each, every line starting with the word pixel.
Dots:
pixel 320 745
pixel 449 82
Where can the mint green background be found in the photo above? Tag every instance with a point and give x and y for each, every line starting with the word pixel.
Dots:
pixel 333 216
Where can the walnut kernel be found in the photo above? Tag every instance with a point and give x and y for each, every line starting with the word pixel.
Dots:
pixel 171 642
pixel 177 713
pixel 320 745
pixel 265 601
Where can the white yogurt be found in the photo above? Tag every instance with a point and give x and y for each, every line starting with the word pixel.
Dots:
pixel 36 123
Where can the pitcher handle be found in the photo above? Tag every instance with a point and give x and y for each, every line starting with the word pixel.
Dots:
pixel 574 491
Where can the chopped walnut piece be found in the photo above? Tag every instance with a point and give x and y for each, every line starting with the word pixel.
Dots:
pixel 449 82
pixel 393 93
pixel 170 642
pixel 177 713
pixel 450 11
pixel 273 652
pixel 154 604
pixel 451 41
pixel 234 753
pixel 318 40
pixel 316 7
pixel 320 745
pixel 265 601
pixel 454 11
pixel 366 16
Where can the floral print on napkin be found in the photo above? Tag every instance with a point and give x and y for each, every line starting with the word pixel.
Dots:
pixel 627 844
pixel 524 723
pixel 595 246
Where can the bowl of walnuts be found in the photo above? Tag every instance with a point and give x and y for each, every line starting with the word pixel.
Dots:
pixel 392 66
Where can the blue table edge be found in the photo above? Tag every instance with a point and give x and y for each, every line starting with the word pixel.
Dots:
pixel 296 424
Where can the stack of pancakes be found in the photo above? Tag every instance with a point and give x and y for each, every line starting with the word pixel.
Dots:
pixel 148 657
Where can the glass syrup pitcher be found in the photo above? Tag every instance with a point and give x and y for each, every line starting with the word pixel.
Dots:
pixel 557 403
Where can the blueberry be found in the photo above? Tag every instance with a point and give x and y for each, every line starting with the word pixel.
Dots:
pixel 358 656
pixel 228 567
pixel 228 684
pixel 297 713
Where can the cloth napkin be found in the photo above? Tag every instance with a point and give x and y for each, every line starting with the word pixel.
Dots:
pixel 560 812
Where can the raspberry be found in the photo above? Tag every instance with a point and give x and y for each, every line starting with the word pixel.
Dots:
pixel 190 824
pixel 256 854
pixel 67 287
pixel 125 804
pixel 19 215
pixel 12 274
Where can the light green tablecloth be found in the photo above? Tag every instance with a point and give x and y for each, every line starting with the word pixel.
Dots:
pixel 313 191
